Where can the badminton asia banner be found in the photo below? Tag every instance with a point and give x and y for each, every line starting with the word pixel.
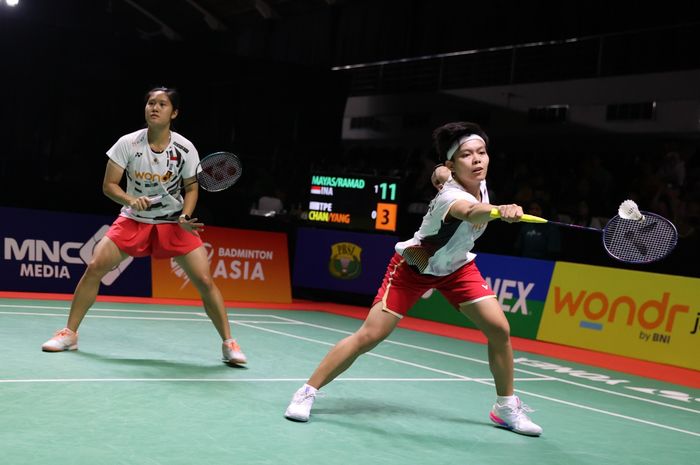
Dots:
pixel 246 265
pixel 44 251
pixel 647 316
pixel 520 284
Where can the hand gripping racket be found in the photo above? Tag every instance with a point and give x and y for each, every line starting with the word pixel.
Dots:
pixel 215 172
pixel 630 236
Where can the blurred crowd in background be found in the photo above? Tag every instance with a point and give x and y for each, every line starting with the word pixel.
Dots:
pixel 583 188
pixel 580 188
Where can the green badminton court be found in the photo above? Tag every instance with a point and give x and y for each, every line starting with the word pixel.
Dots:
pixel 147 387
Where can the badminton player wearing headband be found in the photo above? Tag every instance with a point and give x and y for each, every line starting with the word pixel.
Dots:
pixel 157 162
pixel 439 256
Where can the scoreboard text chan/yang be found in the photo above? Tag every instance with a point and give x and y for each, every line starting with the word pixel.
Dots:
pixel 359 202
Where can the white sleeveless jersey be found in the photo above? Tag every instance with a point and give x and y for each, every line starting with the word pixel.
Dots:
pixel 439 248
pixel 155 174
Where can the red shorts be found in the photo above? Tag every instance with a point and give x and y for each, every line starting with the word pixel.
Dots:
pixel 403 286
pixel 164 240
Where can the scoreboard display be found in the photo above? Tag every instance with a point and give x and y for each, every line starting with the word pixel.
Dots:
pixel 365 203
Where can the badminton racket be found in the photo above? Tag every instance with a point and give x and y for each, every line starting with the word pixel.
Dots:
pixel 215 172
pixel 631 236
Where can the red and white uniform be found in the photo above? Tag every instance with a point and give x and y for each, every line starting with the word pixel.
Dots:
pixel 154 231
pixel 443 247
pixel 155 174
pixel 438 256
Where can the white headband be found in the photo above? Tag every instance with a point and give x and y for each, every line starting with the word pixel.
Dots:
pixel 451 151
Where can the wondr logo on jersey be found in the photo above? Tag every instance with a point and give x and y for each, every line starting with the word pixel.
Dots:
pixel 153 177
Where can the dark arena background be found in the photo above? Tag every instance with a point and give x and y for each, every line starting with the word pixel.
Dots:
pixel 330 106
pixel 304 86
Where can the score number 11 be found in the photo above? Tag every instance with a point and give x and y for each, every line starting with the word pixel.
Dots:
pixel 385 188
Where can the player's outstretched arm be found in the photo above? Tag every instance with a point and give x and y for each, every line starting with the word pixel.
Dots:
pixel 479 213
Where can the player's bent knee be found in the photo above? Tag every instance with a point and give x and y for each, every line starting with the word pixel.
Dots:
pixel 203 282
pixel 98 268
pixel 498 334
pixel 369 339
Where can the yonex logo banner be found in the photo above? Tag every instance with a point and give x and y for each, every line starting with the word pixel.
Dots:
pixel 46 251
pixel 647 316
pixel 520 284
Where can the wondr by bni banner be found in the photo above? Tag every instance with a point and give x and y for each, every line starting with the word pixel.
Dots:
pixel 246 265
pixel 643 315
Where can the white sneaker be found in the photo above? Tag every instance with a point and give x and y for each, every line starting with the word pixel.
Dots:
pixel 513 417
pixel 63 339
pixel 232 353
pixel 299 408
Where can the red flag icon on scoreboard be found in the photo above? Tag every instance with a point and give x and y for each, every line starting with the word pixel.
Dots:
pixel 316 190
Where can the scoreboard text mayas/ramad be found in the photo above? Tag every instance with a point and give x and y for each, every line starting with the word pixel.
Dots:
pixel 367 203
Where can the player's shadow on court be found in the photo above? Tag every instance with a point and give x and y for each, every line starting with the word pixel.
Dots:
pixel 375 411
pixel 159 364
pixel 370 408
pixel 349 414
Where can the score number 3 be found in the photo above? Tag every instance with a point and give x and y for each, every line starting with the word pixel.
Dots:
pixel 386 217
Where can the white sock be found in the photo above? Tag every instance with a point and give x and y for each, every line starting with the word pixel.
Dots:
pixel 308 388
pixel 506 400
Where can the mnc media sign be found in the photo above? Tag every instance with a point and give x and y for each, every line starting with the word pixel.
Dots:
pixel 46 251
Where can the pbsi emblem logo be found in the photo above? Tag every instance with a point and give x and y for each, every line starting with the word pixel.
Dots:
pixel 345 261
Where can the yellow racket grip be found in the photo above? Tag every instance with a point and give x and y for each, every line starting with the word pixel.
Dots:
pixel 525 219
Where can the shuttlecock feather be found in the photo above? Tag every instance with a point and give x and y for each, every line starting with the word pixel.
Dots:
pixel 630 211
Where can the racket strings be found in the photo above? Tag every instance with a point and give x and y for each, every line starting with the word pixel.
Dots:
pixel 219 171
pixel 639 241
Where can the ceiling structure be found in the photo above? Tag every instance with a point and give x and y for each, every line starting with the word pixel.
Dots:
pixel 183 19
pixel 295 31
pixel 170 19
pixel 341 32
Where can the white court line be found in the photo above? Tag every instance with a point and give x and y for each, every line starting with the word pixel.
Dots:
pixel 107 316
pixel 372 354
pixel 521 370
pixel 115 317
pixel 612 414
pixel 481 381
pixel 554 378
pixel 122 310
pixel 303 323
pixel 242 323
pixel 456 375
pixel 426 349
pixel 490 382
pixel 539 376
pixel 219 380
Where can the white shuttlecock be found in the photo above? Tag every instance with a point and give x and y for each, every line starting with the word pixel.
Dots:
pixel 630 211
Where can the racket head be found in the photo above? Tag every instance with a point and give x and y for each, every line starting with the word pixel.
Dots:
pixel 218 171
pixel 639 241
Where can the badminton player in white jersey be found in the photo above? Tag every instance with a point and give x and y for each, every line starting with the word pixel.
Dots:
pixel 439 256
pixel 441 174
pixel 157 162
